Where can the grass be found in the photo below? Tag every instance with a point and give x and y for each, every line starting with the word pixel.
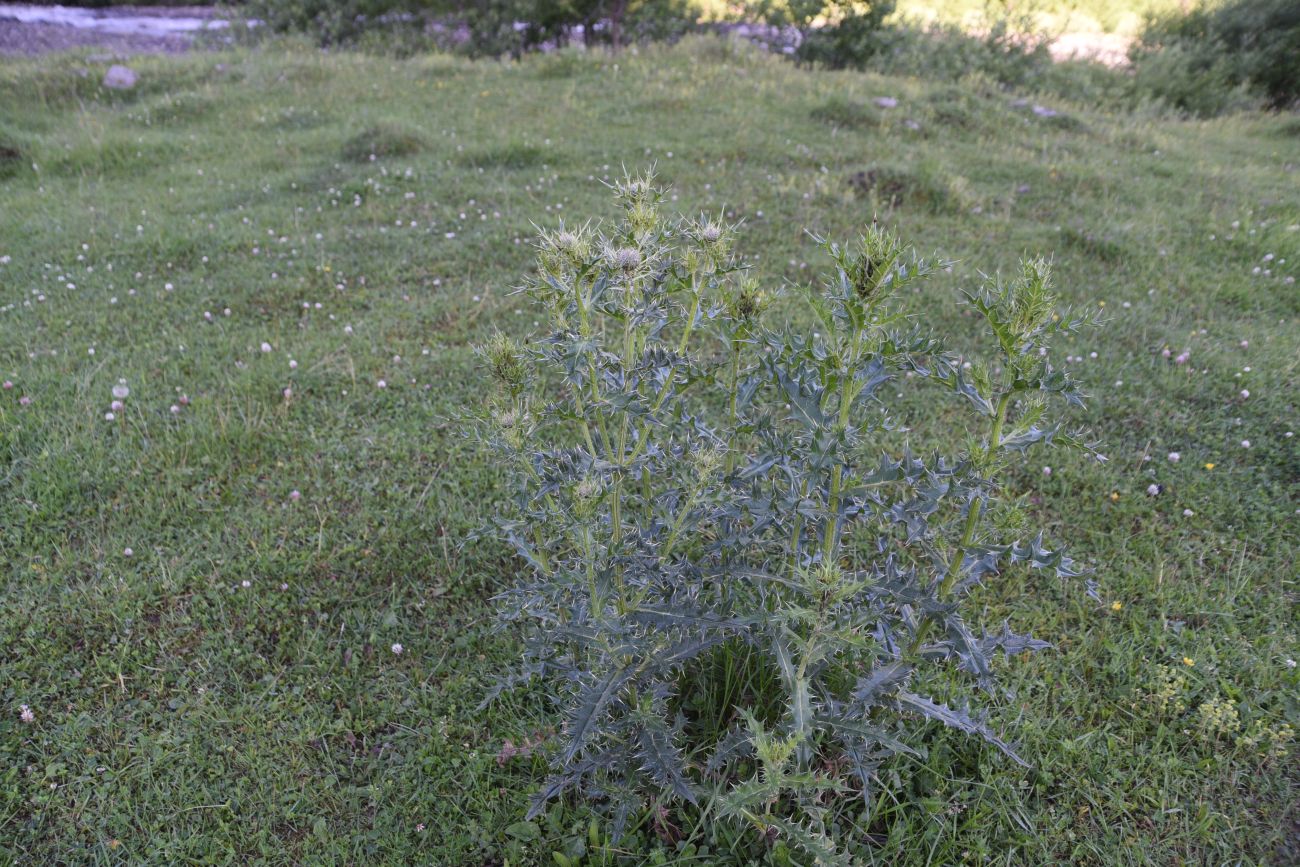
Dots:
pixel 229 693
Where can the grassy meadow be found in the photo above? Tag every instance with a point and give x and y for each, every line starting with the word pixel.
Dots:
pixel 241 619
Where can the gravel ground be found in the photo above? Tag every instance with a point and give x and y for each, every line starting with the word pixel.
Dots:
pixel 25 37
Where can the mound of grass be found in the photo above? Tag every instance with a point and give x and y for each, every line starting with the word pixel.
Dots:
pixel 510 155
pixel 13 153
pixel 1100 246
pixel 383 140
pixel 847 113
pixel 925 187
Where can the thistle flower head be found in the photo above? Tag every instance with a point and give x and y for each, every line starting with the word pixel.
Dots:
pixel 706 462
pixel 625 259
pixel 506 358
pixel 565 248
pixel 745 301
pixel 586 496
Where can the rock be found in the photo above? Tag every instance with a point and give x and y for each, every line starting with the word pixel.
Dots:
pixel 886 102
pixel 119 77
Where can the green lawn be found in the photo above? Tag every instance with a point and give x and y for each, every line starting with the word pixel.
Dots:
pixel 228 691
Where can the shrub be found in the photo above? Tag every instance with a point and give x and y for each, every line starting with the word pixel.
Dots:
pixel 1222 49
pixel 742 586
pixel 850 35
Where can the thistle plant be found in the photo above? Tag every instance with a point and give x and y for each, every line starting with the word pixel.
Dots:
pixel 698 497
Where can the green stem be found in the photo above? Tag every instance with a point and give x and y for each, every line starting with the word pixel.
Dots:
pixel 668 383
pixel 731 418
pixel 831 539
pixel 972 520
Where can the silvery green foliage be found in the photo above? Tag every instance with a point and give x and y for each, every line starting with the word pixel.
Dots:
pixel 686 478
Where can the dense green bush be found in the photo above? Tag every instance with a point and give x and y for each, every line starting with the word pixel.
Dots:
pixel 1203 62
pixel 851 32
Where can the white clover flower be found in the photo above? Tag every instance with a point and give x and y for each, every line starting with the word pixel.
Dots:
pixel 1187 513
pixel 397 648
pixel 1174 457
pixel 1245 393
pixel 25 714
pixel 266 347
pixel 120 391
pixel 1245 444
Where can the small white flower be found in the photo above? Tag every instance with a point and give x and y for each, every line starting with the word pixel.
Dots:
pixel 174 409
pixel 245 583
pixel 1187 513
pixel 1245 444
pixel 1153 490
pixel 293 365
pixel 295 495
pixel 397 649
pixel 108 416
pixel 120 391
pixel 266 347
pixel 381 384
pixel 1245 393
pixel 1047 471
pixel 1174 457
pixel 127 552
pixel 25 714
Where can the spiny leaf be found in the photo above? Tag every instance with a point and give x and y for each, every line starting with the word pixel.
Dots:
pixel 953 718
pixel 797 689
pixel 662 759
pixel 592 701
pixel 882 678
pixel 811 841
